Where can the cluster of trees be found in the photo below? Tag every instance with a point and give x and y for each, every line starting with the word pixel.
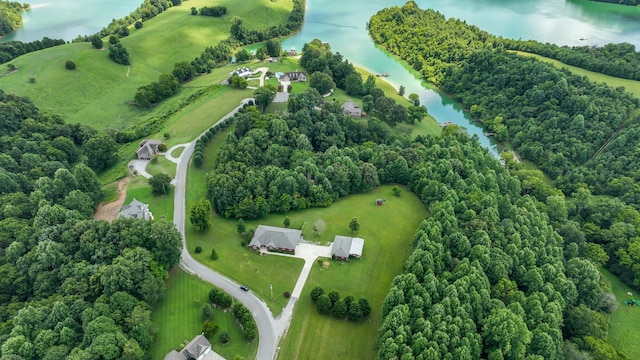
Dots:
pixel 117 52
pixel 10 17
pixel 216 11
pixel 620 60
pixel 148 95
pixel 249 36
pixel 276 164
pixel 329 70
pixel 244 317
pixel 146 11
pixel 340 308
pixel 220 298
pixel 10 50
pixel 70 286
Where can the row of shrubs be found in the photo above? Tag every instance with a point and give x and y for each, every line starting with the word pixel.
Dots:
pixel 340 308
pixel 248 325
pixel 220 298
pixel 203 140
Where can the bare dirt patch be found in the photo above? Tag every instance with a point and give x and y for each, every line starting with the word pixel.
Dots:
pixel 109 211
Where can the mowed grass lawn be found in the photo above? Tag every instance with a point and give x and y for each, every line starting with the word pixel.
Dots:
pixel 624 323
pixel 176 318
pixel 387 232
pixel 97 92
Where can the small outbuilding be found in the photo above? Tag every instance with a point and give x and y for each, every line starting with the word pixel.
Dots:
pixel 344 247
pixel 379 202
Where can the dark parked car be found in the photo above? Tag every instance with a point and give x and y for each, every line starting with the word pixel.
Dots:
pixel 244 287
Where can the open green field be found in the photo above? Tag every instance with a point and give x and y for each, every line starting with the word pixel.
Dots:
pixel 387 232
pixel 159 206
pixel 196 118
pixel 624 323
pixel 631 86
pixel 176 318
pixel 97 92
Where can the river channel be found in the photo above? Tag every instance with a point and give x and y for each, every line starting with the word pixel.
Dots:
pixel 343 25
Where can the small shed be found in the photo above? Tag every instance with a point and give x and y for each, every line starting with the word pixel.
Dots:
pixel 379 202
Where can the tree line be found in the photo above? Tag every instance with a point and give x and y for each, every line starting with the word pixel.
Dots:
pixel 10 50
pixel 71 287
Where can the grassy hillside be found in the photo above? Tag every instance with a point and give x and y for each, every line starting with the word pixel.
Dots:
pixel 97 92
pixel 624 327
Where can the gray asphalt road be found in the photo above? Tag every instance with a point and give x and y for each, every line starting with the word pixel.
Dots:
pixel 267 334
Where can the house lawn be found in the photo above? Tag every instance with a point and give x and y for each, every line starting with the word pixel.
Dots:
pixel 159 206
pixel 176 318
pixel 387 232
pixel 161 166
pixel 624 323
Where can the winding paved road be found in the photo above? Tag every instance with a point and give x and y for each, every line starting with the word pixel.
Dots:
pixel 268 335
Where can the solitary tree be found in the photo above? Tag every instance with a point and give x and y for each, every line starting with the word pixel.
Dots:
pixel 138 24
pixel 354 225
pixel 321 82
pixel 214 254
pixel 96 42
pixel 206 312
pixel 286 222
pixel 241 227
pixel 160 184
pixel 415 99
pixel 70 65
pixel 319 226
pixel 224 337
pixel 264 96
pixel 200 212
pixel 401 90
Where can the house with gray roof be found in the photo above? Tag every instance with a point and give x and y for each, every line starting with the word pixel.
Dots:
pixel 344 247
pixel 136 210
pixel 275 238
pixel 300 76
pixel 352 109
pixel 148 149
pixel 198 349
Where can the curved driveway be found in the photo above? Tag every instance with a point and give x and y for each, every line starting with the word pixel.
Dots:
pixel 267 333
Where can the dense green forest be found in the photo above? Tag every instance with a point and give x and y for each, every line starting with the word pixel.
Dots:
pixel 489 276
pixel 10 17
pixel 70 287
pixel 582 135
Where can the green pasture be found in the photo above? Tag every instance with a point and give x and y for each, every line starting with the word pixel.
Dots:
pixel 176 318
pixel 160 206
pixel 196 118
pixel 387 232
pixel 98 91
pixel 631 86
pixel 624 323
